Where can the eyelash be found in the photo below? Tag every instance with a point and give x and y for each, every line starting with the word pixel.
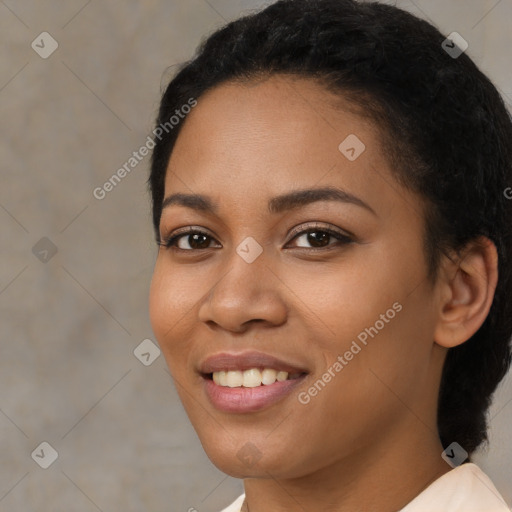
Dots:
pixel 343 239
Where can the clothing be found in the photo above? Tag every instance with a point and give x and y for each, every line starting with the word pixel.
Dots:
pixel 236 505
pixel 463 489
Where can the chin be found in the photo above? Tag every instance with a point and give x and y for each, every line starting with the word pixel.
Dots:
pixel 243 459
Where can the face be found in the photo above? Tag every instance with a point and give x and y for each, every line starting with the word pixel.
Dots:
pixel 329 286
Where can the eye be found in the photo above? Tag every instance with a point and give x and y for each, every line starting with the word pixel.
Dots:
pixel 318 237
pixel 194 238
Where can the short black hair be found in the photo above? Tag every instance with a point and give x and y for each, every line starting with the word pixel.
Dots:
pixel 447 132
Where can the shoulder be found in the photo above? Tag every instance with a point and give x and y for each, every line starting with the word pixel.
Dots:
pixel 463 489
pixel 236 505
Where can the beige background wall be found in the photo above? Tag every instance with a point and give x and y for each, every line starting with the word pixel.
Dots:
pixel 69 326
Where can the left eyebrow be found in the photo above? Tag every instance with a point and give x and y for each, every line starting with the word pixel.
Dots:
pixel 278 204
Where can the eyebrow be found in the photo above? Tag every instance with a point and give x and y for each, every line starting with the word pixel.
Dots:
pixel 278 204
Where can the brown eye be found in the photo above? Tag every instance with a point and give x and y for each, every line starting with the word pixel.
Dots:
pixel 319 238
pixel 195 239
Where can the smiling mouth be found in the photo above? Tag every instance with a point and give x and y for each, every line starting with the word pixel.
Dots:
pixel 251 378
pixel 249 381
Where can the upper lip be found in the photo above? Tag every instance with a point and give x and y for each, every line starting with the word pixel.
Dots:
pixel 246 360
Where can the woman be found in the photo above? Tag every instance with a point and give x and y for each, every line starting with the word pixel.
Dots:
pixel 330 291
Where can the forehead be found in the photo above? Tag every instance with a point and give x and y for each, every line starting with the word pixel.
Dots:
pixel 261 138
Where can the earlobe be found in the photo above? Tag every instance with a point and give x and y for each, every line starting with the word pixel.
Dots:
pixel 467 291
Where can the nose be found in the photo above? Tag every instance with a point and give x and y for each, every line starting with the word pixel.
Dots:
pixel 245 294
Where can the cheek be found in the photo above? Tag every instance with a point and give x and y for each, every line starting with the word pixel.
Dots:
pixel 386 366
pixel 376 317
pixel 159 302
pixel 337 302
pixel 382 381
pixel 167 312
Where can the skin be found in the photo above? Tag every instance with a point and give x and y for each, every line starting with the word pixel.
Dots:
pixel 367 441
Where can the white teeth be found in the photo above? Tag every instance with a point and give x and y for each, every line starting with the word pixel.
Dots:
pixel 268 376
pixel 222 376
pixel 282 376
pixel 251 378
pixel 234 379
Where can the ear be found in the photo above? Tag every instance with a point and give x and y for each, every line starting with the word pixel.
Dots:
pixel 466 285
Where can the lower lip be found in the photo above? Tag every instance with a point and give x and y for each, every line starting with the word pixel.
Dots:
pixel 240 400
